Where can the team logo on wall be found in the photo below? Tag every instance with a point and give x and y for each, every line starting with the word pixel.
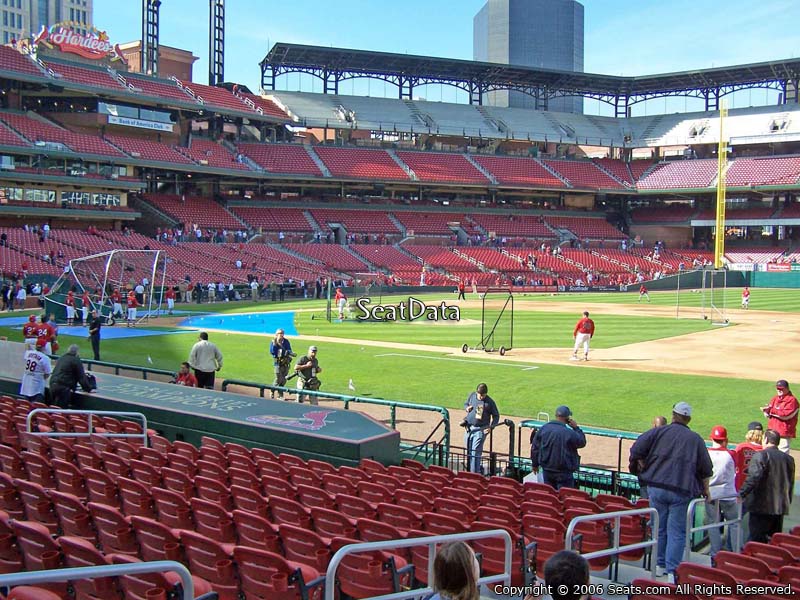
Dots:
pixel 94 44
pixel 310 421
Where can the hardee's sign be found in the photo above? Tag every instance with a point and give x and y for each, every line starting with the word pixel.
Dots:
pixel 93 45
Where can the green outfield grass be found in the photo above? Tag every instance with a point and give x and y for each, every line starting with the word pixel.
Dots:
pixel 620 399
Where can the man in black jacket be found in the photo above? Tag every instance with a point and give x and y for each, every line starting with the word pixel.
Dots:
pixel 94 334
pixel 67 374
pixel 767 491
pixel 554 449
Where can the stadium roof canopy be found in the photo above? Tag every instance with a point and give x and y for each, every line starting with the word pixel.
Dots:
pixel 334 65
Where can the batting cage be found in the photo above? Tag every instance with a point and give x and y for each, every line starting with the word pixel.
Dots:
pixel 101 274
pixel 713 300
pixel 497 322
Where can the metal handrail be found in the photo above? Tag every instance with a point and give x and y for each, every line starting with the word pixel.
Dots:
pixel 36 577
pixel 89 414
pixel 690 528
pixel 616 549
pixel 431 542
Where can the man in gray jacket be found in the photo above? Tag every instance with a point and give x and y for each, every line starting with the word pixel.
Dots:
pixel 67 374
pixel 206 359
pixel 767 491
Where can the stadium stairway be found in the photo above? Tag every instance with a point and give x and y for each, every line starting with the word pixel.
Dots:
pixel 317 160
pixel 397 222
pixel 357 256
pixel 403 166
pixel 312 221
pixel 481 168
pixel 554 173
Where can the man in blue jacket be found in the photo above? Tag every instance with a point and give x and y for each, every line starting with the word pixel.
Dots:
pixel 673 462
pixel 554 449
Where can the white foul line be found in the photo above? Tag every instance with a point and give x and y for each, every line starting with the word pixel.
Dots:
pixel 494 363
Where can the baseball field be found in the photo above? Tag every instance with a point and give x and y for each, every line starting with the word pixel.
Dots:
pixel 643 358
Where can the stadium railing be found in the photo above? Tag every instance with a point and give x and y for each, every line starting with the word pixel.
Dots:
pixel 432 542
pixel 79 573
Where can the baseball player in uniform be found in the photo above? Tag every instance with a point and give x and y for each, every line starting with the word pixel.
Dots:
pixel 132 304
pixel 746 298
pixel 643 293
pixel 584 330
pixel 170 296
pixel 29 331
pixel 37 370
pixel 45 334
pixel 85 304
pixel 116 300
pixel 70 303
pixel 341 301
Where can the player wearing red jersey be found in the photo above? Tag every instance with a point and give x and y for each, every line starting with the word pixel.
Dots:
pixel 170 296
pixel 86 304
pixel 583 332
pixel 643 292
pixel 45 335
pixel 746 298
pixel 132 305
pixel 29 330
pixel 116 303
pixel 70 304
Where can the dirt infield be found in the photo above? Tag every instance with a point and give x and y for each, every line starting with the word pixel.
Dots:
pixel 760 346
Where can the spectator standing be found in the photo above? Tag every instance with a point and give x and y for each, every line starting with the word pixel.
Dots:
pixel 94 333
pixel 721 504
pixel 674 464
pixel 22 296
pixel 554 449
pixel 782 414
pixel 67 375
pixel 657 422
pixel 481 414
pixel 170 296
pixel 206 359
pixel 743 453
pixel 767 491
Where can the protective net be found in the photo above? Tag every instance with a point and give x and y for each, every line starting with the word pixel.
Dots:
pixel 102 274
pixel 497 321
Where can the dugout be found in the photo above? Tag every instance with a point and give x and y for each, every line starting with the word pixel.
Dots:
pixel 341 437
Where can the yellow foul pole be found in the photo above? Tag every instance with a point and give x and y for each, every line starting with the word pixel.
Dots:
pixel 722 167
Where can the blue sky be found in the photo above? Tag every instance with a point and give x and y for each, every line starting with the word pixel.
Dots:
pixel 622 37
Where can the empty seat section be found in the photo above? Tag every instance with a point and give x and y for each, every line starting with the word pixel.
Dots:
pixel 360 163
pixel 194 209
pixel 530 226
pixel 282 158
pixel 434 223
pixel 12 60
pixel 331 255
pixel 437 256
pixel 267 105
pixel 519 171
pixel 356 221
pixel 680 174
pixel 147 149
pixel 764 171
pixel 158 88
pixel 273 219
pixel 208 153
pixel 453 168
pixel 618 168
pixel 84 75
pixel 216 96
pixel 37 129
pixel 587 227
pixel 583 174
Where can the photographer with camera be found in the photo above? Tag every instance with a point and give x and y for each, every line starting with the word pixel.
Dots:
pixel 482 413
pixel 281 351
pixel 306 370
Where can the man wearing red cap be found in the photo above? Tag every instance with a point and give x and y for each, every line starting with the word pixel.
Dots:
pixel 70 303
pixel 721 504
pixel 782 414
pixel 29 330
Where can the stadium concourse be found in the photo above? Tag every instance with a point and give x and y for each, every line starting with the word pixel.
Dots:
pixel 281 192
